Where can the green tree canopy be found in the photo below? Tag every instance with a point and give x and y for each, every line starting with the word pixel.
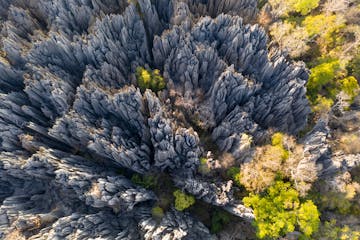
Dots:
pixel 322 79
pixel 183 200
pixel 279 211
pixel 149 79
pixel 304 6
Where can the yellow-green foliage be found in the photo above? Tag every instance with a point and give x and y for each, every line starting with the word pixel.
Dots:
pixel 304 6
pixel 157 212
pixel 279 211
pixel 149 79
pixel 323 105
pixel 277 142
pixel 183 200
pixel 350 86
pixel 285 7
pixel 277 139
pixel 317 24
pixel 308 218
pixel 326 29
pixel 322 80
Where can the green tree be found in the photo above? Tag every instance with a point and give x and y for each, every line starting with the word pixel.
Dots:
pixel 322 80
pixel 183 200
pixel 285 7
pixel 304 6
pixel 325 29
pixel 149 79
pixel 279 211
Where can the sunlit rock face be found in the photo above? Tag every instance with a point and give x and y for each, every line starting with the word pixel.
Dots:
pixel 71 114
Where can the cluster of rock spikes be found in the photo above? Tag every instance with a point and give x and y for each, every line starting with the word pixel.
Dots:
pixel 74 125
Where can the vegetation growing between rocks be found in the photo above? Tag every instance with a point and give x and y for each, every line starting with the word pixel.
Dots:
pixel 279 159
pixel 147 79
pixel 326 36
pixel 183 200
pixel 279 211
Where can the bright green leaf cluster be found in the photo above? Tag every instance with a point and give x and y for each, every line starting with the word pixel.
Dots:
pixel 326 29
pixel 183 200
pixel 279 211
pixel 308 218
pixel 350 86
pixel 323 25
pixel 304 6
pixel 277 142
pixel 286 7
pixel 322 79
pixel 149 79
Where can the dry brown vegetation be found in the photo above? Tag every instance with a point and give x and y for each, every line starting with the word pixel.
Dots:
pixel 282 158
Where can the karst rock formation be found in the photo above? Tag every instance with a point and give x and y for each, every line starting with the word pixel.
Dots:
pixel 72 114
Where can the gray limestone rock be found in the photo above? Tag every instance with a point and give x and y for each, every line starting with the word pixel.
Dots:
pixel 175 225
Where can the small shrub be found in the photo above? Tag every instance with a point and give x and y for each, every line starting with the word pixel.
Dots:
pixel 157 212
pixel 350 86
pixel 204 168
pixel 218 220
pixel 146 181
pixel 183 200
pixel 277 139
pixel 234 174
pixel 322 105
